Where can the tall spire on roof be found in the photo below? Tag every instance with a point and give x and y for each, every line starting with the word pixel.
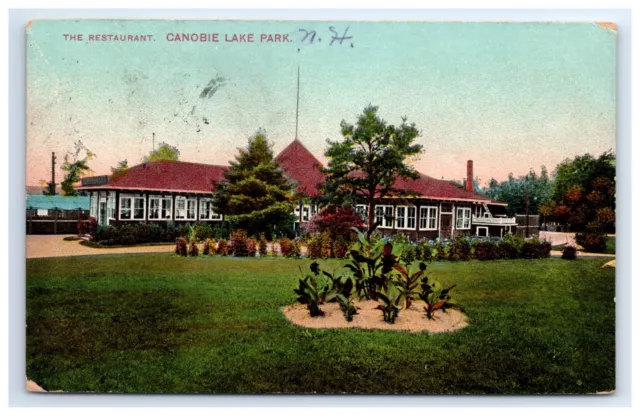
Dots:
pixel 297 102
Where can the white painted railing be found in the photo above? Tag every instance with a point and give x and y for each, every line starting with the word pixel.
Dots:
pixel 494 220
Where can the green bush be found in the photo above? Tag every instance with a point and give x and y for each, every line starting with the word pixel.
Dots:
pixel 459 249
pixel 484 251
pixel 440 251
pixel 424 251
pixel 209 247
pixel 201 231
pixel 533 248
pixel 340 247
pixel 314 246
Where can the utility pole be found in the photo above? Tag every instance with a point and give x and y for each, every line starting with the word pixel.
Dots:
pixel 153 141
pixel 526 211
pixel 53 173
pixel 297 102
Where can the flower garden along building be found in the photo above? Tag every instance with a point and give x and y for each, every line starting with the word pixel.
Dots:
pixel 181 192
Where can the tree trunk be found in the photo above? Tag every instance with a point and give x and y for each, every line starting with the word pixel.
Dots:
pixel 371 218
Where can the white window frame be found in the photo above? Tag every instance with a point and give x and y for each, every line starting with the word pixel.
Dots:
pixel 211 215
pixel 93 205
pixel 405 218
pixel 306 213
pixel 414 218
pixel 427 218
pixel 486 231
pixel 465 218
pixel 160 200
pixel 186 201
pixel 386 222
pixel 132 208
pixel 111 205
pixel 362 210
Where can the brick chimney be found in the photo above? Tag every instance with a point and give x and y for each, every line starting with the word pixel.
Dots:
pixel 469 181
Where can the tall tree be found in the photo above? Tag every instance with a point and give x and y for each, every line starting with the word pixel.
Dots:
pixel 164 151
pixel 515 191
pixel 120 169
pixel 256 195
pixel 365 164
pixel 584 193
pixel 75 166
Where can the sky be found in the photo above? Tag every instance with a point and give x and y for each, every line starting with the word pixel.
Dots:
pixel 509 96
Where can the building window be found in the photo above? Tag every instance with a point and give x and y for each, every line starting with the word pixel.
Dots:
pixel 306 210
pixel 111 205
pixel 185 208
pixel 93 207
pixel 482 231
pixel 401 214
pixel 405 217
pixel 132 208
pixel 428 218
pixel 384 216
pixel 206 210
pixel 160 208
pixel 463 218
pixel 361 210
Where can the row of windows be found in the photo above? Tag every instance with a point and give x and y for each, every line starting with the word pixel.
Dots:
pixel 134 207
pixel 405 217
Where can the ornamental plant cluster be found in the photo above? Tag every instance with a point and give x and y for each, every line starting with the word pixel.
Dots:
pixel 147 233
pixel 373 272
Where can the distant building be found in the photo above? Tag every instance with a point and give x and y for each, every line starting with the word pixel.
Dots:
pixel 55 214
pixel 182 192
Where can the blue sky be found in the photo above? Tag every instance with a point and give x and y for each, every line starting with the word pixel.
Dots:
pixel 510 96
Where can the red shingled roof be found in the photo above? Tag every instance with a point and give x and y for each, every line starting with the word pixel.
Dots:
pixel 426 186
pixel 167 176
pixel 302 167
pixel 298 163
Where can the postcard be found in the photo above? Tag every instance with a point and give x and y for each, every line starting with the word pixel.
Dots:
pixel 316 207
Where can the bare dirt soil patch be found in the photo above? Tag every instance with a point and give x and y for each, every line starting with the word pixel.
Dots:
pixel 412 319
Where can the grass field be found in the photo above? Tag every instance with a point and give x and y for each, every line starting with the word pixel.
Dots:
pixel 162 323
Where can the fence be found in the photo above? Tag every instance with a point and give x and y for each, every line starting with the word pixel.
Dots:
pixel 52 222
pixel 534 224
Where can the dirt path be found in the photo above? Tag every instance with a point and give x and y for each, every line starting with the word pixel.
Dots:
pixel 44 246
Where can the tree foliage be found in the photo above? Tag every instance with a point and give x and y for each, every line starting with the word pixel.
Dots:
pixel 365 164
pixel 337 220
pixel 164 152
pixel 75 166
pixel 584 194
pixel 256 195
pixel 514 191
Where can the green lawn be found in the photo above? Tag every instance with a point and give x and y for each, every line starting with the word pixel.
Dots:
pixel 162 323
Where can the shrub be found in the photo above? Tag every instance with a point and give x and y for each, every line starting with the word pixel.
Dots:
pixel 424 251
pixel 262 245
pixel 409 253
pixel 296 249
pixel 193 249
pixel 533 248
pixel 92 226
pixel 209 247
pixel 440 251
pixel 286 247
pixel 201 231
pixel 309 294
pixel 314 246
pixel 337 221
pixel 181 247
pixel 223 247
pixel 238 243
pixel 507 251
pixel 591 242
pixel 485 250
pixel 371 267
pixel 252 247
pixel 569 252
pixel 340 248
pixel 459 249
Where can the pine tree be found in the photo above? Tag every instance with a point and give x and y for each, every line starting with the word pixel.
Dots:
pixel 256 195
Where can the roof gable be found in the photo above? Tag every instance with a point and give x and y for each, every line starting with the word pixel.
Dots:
pixel 302 167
